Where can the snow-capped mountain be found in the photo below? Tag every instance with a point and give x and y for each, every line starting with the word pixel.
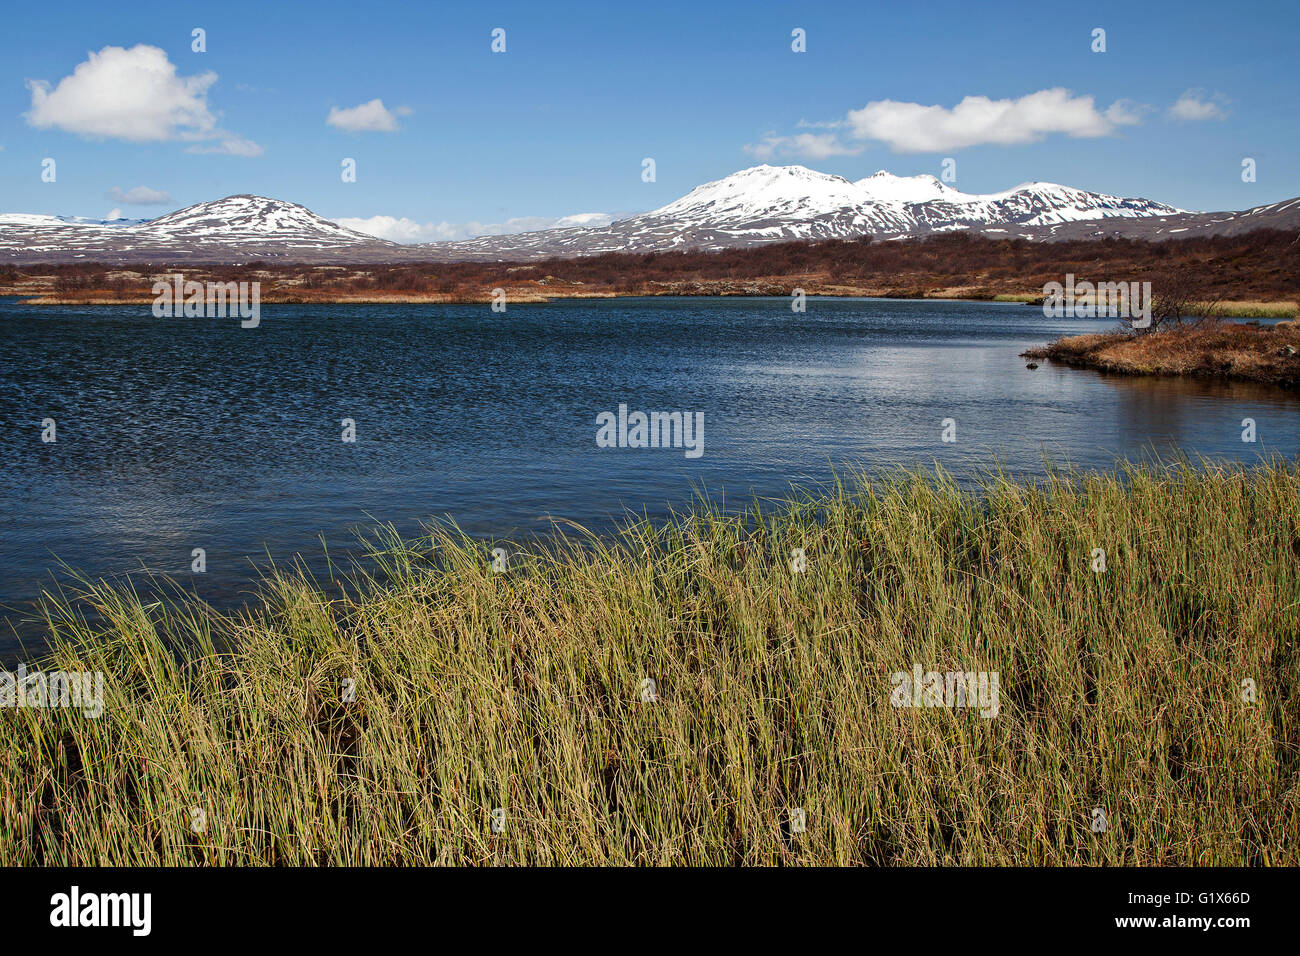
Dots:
pixel 782 203
pixel 236 228
pixel 255 220
pixel 754 206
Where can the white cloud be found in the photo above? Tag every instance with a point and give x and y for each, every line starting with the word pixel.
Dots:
pixel 114 214
pixel 976 120
pixel 139 196
pixel 387 227
pixel 135 95
pixel 372 117
pixel 230 145
pixel 1127 112
pixel 409 230
pixel 1193 106
pixel 805 145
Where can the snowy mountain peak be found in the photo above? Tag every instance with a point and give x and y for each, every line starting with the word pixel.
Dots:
pixel 781 203
pixel 884 175
pixel 761 190
pixel 885 186
pixel 795 202
pixel 793 171
pixel 255 218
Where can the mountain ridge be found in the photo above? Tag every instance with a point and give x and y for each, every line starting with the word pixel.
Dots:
pixel 753 206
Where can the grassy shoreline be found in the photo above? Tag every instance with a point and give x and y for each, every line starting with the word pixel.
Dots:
pixel 524 691
pixel 1203 349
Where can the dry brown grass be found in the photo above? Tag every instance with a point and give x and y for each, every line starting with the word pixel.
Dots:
pixel 1209 349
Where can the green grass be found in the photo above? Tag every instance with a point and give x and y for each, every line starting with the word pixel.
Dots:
pixel 1254 310
pixel 522 690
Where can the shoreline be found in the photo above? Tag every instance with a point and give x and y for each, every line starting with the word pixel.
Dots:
pixel 1246 309
pixel 1205 349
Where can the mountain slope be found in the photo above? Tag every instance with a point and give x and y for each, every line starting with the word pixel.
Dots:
pixel 1283 215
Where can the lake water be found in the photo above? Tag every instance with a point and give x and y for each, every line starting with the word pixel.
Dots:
pixel 175 434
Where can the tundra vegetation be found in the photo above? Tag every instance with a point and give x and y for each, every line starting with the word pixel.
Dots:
pixel 1249 275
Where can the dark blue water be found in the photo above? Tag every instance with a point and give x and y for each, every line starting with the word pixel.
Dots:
pixel 186 433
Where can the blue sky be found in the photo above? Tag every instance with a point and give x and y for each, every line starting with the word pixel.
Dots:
pixel 559 124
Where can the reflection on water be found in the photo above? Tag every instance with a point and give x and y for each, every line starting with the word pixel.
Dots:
pixel 175 434
pixel 1189 412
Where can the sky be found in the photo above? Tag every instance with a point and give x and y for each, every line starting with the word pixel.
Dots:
pixel 451 138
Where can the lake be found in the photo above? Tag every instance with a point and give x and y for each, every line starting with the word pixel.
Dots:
pixel 176 434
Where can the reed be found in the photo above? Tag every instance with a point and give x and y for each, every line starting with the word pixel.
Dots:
pixel 233 739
